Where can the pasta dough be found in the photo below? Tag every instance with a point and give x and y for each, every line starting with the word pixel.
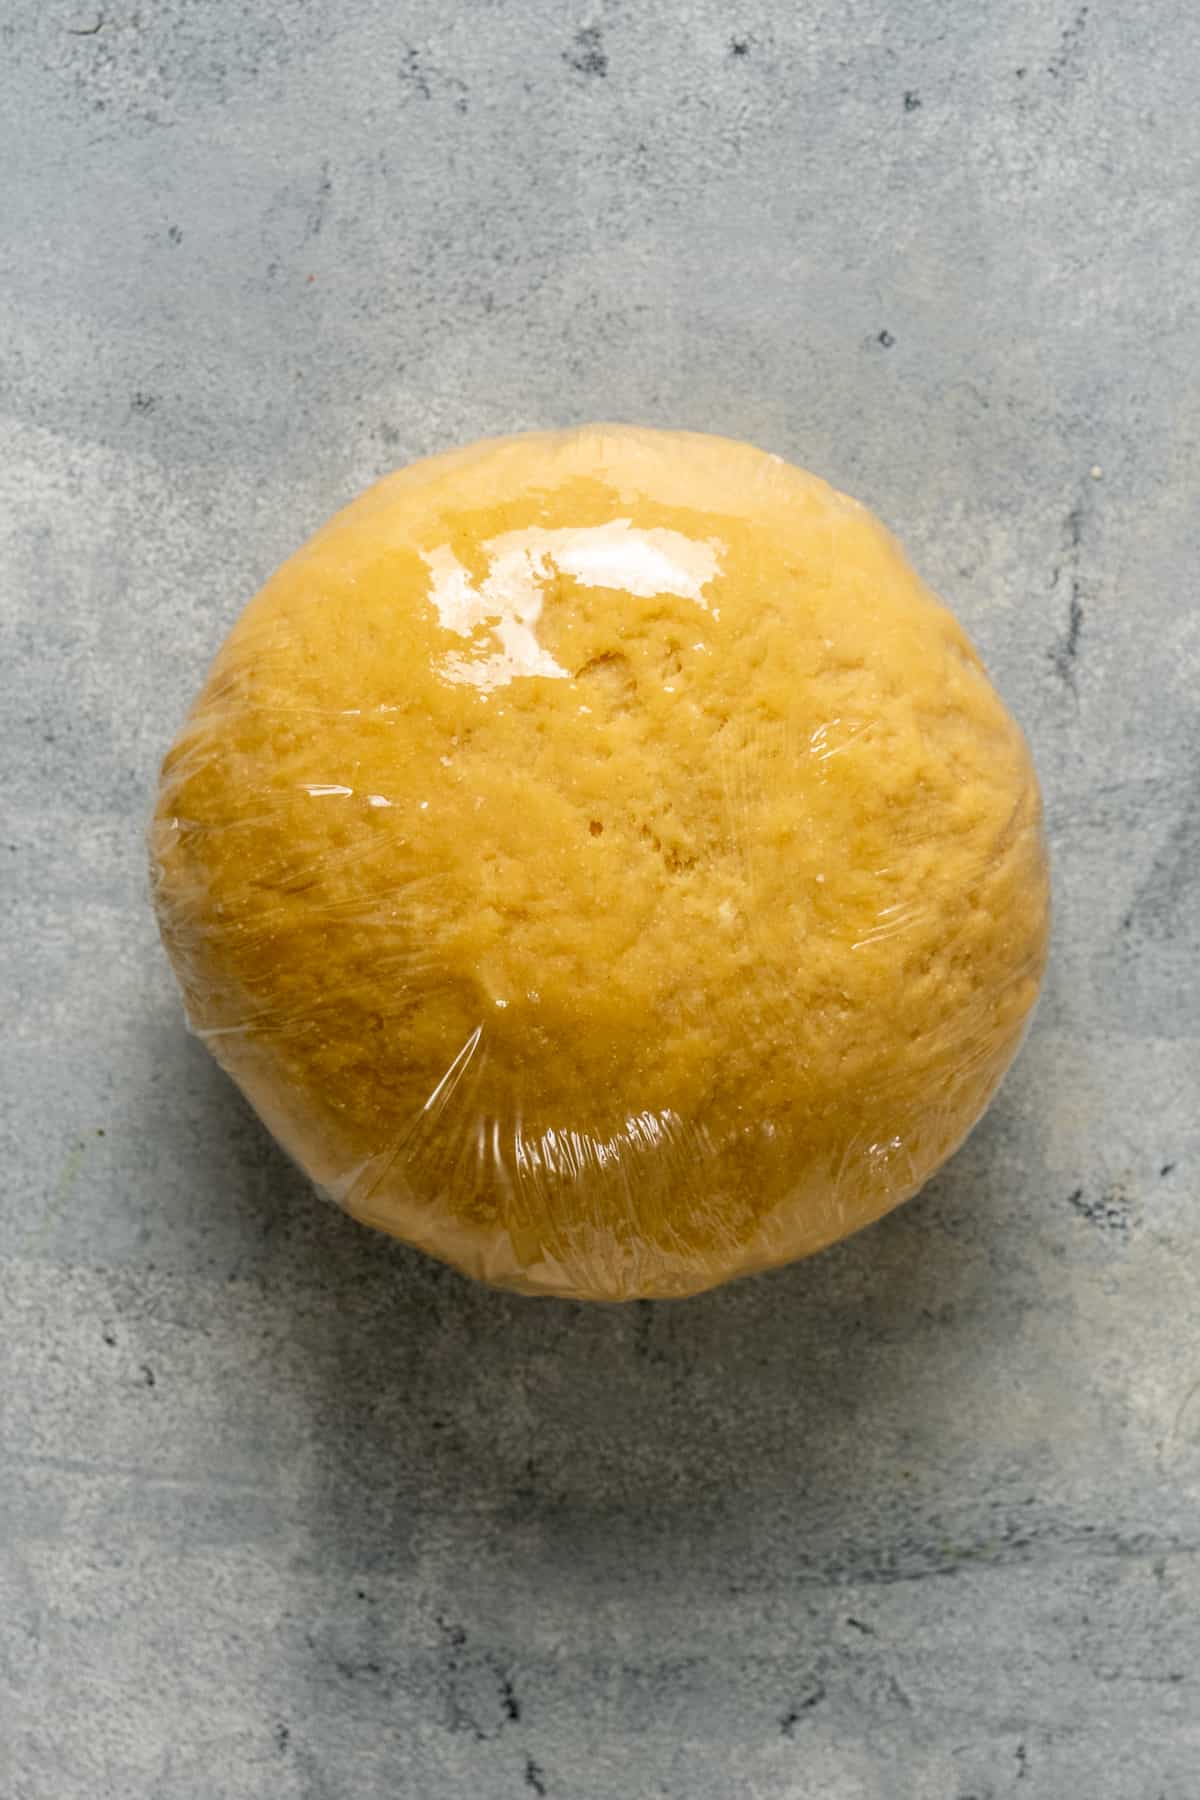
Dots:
pixel 604 864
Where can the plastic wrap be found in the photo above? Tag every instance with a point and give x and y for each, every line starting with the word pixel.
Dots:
pixel 602 863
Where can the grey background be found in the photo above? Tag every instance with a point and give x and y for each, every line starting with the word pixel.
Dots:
pixel 288 1511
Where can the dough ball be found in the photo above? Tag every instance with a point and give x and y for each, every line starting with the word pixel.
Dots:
pixel 604 864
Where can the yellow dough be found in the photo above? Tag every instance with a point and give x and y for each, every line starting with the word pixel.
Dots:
pixel 604 864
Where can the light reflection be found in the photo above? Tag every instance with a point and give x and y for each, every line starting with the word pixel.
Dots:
pixel 507 604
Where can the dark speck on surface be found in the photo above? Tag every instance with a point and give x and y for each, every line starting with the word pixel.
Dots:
pixel 885 338
pixel 739 46
pixel 413 77
pixel 794 1714
pixel 479 1697
pixel 1070 643
pixel 351 1670
pixel 534 1779
pixel 1166 1168
pixel 320 205
pixel 1064 655
pixel 587 55
pixel 912 101
pixel 143 403
pixel 1110 1211
pixel 427 81
pixel 282 1736
pixel 147 1375
pixel 1069 44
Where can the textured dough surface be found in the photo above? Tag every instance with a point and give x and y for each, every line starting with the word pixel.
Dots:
pixel 603 863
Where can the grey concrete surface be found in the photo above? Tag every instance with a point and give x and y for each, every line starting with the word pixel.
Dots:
pixel 286 1510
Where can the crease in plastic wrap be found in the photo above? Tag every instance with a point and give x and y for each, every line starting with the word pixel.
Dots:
pixel 603 864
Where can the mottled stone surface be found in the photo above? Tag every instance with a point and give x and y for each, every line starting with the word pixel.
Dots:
pixel 287 1511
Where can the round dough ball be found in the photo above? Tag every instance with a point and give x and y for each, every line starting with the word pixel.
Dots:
pixel 604 864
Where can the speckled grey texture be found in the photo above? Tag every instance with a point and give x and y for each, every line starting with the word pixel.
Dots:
pixel 287 1511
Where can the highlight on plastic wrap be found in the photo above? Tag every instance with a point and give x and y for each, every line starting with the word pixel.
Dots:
pixel 603 863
